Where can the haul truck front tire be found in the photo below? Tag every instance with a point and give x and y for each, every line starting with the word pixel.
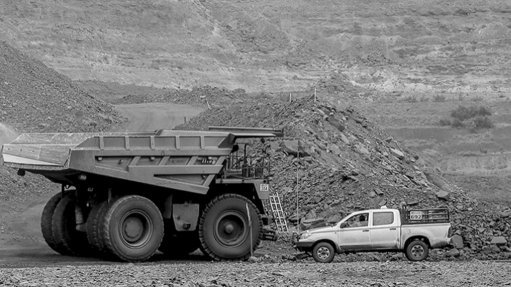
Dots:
pixel 224 230
pixel 133 228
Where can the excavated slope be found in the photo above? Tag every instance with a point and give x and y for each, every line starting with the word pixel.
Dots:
pixel 35 98
pixel 345 163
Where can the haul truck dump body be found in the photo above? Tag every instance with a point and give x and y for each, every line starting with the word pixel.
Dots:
pixel 128 194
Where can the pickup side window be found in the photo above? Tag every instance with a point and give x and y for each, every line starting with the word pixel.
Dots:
pixel 358 220
pixel 383 218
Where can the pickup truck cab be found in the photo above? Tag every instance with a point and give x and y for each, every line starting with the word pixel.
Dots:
pixel 413 232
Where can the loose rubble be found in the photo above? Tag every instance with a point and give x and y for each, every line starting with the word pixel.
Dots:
pixel 344 163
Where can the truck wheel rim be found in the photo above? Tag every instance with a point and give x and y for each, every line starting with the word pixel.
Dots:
pixel 323 253
pixel 136 228
pixel 231 229
pixel 417 251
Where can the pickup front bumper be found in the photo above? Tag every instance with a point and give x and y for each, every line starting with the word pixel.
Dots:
pixel 304 246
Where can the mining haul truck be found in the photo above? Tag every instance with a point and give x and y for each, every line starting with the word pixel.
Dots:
pixel 126 195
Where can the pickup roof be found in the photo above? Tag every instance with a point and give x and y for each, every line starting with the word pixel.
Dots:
pixel 413 232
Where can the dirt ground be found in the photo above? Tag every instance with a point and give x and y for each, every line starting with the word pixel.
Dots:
pixel 200 273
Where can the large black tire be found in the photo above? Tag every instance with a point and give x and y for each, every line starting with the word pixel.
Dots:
pixel 417 250
pixel 67 238
pixel 323 252
pixel 132 228
pixel 46 219
pixel 224 231
pixel 93 227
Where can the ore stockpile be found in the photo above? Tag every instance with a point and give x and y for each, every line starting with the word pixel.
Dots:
pixel 345 163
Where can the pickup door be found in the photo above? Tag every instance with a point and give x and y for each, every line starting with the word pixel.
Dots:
pixel 354 232
pixel 384 230
pixel 373 230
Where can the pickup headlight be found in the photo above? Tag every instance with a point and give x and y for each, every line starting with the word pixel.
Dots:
pixel 305 235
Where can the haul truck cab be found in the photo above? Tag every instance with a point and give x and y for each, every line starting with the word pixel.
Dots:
pixel 127 195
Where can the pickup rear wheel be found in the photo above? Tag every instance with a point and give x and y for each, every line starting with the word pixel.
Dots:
pixel 417 250
pixel 132 229
pixel 323 252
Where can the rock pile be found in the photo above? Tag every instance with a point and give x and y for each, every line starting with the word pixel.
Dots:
pixel 343 163
pixel 34 98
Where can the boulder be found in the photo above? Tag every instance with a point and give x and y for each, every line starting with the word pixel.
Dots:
pixel 499 240
pixel 397 153
pixel 336 123
pixel 490 249
pixel 334 149
pixel 363 150
pixel 294 148
pixel 506 213
pixel 412 202
pixel 344 139
pixel 457 241
pixel 453 253
pixel 442 194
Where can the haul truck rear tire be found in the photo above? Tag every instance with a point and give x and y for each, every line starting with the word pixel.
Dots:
pixel 67 238
pixel 133 228
pixel 93 227
pixel 224 228
pixel 46 219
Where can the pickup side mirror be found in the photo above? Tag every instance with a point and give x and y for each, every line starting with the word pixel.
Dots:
pixel 344 225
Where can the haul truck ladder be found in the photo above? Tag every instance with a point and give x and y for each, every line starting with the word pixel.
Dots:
pixel 278 213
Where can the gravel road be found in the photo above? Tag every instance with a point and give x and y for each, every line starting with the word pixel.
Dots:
pixel 403 273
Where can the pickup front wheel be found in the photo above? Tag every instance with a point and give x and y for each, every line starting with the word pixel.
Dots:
pixel 417 250
pixel 323 252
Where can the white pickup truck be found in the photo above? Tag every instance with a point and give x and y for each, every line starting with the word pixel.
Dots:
pixel 413 232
